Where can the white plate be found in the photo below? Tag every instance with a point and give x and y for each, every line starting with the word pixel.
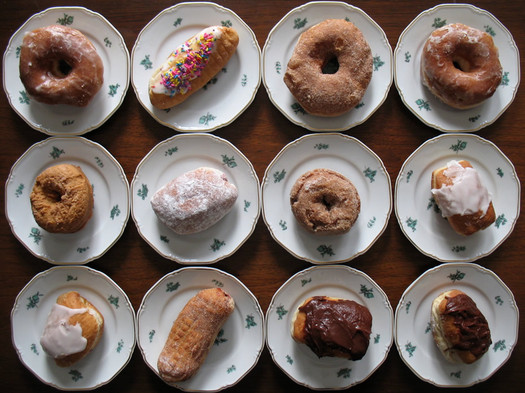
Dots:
pixel 412 324
pixel 67 119
pixel 281 42
pixel 110 191
pixel 349 157
pixel 224 98
pixel 29 316
pixel 415 208
pixel 429 109
pixel 175 156
pixel 239 344
pixel 297 360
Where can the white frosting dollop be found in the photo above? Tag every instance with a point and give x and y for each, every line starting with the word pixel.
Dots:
pixel 466 195
pixel 60 338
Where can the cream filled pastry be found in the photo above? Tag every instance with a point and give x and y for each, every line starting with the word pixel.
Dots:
pixel 73 328
pixel 190 66
pixel 462 197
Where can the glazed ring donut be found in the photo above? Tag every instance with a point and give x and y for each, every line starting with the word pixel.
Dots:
pixel 460 65
pixel 59 65
pixel 330 68
pixel 62 199
pixel 325 202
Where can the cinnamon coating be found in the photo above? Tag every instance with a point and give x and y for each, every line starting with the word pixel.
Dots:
pixel 333 43
pixel 325 202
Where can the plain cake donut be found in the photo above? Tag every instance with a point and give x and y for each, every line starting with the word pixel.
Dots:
pixel 325 202
pixel 62 199
pixel 330 68
pixel 460 65
pixel 59 65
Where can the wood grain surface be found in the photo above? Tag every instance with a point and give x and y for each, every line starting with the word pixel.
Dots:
pixel 393 133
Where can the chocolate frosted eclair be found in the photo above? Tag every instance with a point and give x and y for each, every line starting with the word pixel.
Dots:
pixel 333 327
pixel 460 330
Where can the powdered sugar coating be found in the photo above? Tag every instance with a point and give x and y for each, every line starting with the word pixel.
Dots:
pixel 194 201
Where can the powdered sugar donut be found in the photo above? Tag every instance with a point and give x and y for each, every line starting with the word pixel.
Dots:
pixel 194 201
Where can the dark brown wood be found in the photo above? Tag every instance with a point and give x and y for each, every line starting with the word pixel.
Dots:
pixel 393 132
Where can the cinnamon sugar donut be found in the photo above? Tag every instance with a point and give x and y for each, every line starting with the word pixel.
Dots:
pixel 330 68
pixel 62 199
pixel 325 202
pixel 460 65
pixel 59 65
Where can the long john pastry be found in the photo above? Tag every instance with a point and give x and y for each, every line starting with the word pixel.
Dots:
pixel 192 65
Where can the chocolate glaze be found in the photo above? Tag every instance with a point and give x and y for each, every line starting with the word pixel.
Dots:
pixel 337 327
pixel 474 332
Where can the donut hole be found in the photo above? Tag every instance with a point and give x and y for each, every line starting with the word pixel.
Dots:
pixel 331 65
pixel 461 63
pixel 61 68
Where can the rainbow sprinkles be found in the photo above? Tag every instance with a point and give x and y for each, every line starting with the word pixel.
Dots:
pixel 186 63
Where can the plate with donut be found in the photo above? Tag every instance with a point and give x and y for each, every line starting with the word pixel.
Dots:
pixel 59 287
pixel 236 347
pixel 486 302
pixel 322 21
pixel 349 207
pixel 214 92
pixel 67 200
pixel 57 106
pixel 420 216
pixel 364 309
pixel 177 160
pixel 472 94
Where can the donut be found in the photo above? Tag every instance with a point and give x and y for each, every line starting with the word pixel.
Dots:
pixel 330 68
pixel 333 327
pixel 462 197
pixel 460 65
pixel 325 202
pixel 59 65
pixel 195 200
pixel 62 199
pixel 460 330
pixel 192 65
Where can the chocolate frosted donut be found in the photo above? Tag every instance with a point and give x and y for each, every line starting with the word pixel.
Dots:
pixel 460 330
pixel 333 327
pixel 62 199
pixel 325 202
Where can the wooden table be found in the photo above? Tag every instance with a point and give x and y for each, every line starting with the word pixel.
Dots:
pixel 393 132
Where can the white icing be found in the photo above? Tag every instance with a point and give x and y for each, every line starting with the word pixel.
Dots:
pixel 467 195
pixel 60 338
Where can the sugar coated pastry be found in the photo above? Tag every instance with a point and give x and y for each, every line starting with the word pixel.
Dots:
pixel 460 65
pixel 330 68
pixel 192 65
pixel 333 327
pixel 59 65
pixel 194 201
pixel 62 199
pixel 462 198
pixel 460 330
pixel 193 333
pixel 73 328
pixel 325 202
